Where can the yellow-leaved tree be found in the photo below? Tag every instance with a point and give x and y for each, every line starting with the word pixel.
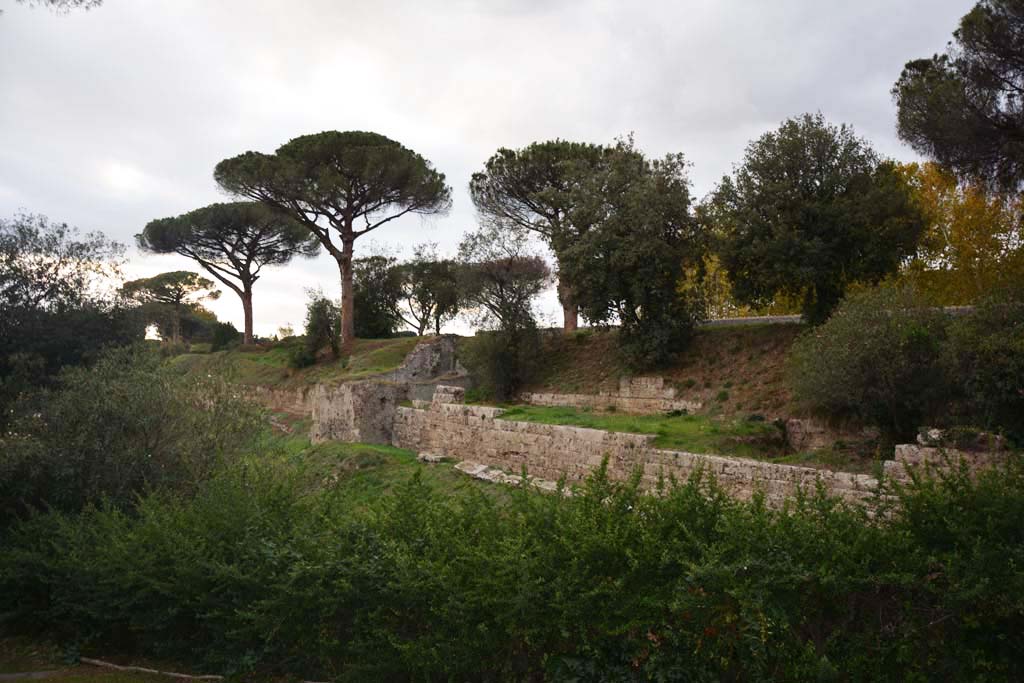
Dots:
pixel 974 242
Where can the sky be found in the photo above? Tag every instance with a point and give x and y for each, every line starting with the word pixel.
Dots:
pixel 115 116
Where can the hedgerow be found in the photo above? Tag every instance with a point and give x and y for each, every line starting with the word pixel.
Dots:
pixel 256 571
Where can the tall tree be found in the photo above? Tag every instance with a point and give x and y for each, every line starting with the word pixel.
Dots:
pixel 176 290
pixel 629 266
pixel 974 243
pixel 233 242
pixel 811 210
pixel 965 108
pixel 538 188
pixel 430 289
pixel 347 183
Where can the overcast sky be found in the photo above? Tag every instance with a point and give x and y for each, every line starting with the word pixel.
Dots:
pixel 115 116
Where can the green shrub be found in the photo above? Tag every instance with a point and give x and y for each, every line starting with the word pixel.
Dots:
pixel 502 361
pixel 985 357
pixel 224 336
pixel 116 429
pixel 300 357
pixel 323 324
pixel 877 360
pixel 608 584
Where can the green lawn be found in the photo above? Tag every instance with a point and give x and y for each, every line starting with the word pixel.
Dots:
pixel 693 433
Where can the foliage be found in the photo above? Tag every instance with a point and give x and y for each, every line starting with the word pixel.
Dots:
pixel 629 265
pixel 378 288
pixel 323 321
pixel 985 357
pixel 974 243
pixel 964 108
pixel 115 430
pixel 430 290
pixel 878 360
pixel 170 296
pixel 350 183
pixel 233 242
pixel 224 336
pixel 811 210
pixel 500 278
pixel 256 569
pixel 539 189
pixel 54 308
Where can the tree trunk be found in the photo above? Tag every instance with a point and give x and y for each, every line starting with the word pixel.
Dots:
pixel 348 299
pixel 247 311
pixel 570 311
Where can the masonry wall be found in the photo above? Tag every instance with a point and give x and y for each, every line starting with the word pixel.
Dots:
pixel 635 395
pixel 475 434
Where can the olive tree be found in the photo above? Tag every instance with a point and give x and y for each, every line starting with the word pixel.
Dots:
pixel 340 186
pixel 233 242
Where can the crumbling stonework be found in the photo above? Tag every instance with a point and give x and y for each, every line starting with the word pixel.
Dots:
pixel 805 434
pixel 292 401
pixel 474 434
pixel 356 411
pixel 911 456
pixel 635 395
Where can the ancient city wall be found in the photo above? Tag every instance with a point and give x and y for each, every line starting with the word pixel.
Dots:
pixel 475 434
pixel 635 395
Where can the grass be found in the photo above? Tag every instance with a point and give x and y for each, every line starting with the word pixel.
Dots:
pixel 365 472
pixel 743 367
pixel 692 433
pixel 268 366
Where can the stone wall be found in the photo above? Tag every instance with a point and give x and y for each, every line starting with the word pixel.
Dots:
pixel 476 434
pixel 911 455
pixel 635 395
pixel 293 401
pixel 356 411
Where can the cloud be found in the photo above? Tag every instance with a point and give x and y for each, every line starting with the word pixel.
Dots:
pixel 116 116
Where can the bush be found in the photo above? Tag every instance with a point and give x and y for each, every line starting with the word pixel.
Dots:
pixel 985 357
pixel 117 429
pixel 502 362
pixel 878 360
pixel 224 336
pixel 608 584
pixel 323 324
pixel 300 357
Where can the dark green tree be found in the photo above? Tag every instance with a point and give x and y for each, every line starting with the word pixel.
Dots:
pixel 629 265
pixel 340 186
pixel 377 281
pixel 539 188
pixel 173 292
pixel 965 108
pixel 56 309
pixel 812 209
pixel 233 242
pixel 430 290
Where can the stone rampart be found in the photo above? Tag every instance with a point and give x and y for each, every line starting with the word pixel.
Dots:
pixel 476 433
pixel 635 395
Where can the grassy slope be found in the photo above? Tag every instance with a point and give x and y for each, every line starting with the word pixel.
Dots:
pixel 268 366
pixel 364 471
pixel 693 433
pixel 738 369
